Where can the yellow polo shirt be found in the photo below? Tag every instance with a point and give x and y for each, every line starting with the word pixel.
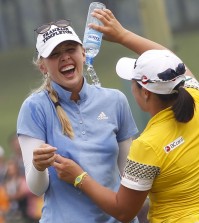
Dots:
pixel 165 159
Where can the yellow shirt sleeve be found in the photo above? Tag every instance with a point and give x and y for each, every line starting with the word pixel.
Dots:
pixel 144 153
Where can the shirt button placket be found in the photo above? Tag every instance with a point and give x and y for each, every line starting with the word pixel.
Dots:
pixel 81 123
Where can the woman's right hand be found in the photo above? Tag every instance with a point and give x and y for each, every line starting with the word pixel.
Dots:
pixel 44 156
pixel 112 30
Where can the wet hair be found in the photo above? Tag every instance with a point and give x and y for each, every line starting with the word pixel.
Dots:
pixel 183 106
pixel 63 118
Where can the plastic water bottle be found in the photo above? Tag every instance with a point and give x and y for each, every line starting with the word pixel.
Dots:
pixel 92 41
pixel 92 38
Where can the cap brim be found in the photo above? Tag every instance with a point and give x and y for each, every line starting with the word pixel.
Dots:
pixel 53 43
pixel 125 68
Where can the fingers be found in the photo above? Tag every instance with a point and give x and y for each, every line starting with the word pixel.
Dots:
pixel 106 13
pixel 102 15
pixel 63 166
pixel 44 156
pixel 66 169
pixel 59 162
pixel 60 159
pixel 112 30
pixel 44 149
pixel 44 153
pixel 62 163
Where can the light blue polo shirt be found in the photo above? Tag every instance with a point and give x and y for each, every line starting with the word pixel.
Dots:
pixel 100 119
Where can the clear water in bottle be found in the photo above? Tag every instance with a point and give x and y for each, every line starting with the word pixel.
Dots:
pixel 92 42
pixel 92 38
pixel 93 76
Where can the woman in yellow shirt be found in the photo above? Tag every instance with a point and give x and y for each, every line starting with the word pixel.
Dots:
pixel 163 163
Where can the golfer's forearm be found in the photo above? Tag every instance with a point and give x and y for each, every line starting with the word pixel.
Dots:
pixel 37 181
pixel 104 198
pixel 138 44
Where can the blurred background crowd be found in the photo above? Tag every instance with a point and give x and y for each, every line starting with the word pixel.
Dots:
pixel 172 23
pixel 17 203
pixel 18 18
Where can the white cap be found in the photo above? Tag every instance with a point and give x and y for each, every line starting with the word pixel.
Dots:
pixel 191 82
pixel 148 70
pixel 47 41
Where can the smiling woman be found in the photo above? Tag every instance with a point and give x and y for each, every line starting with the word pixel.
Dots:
pixel 63 117
pixel 64 66
pixel 57 52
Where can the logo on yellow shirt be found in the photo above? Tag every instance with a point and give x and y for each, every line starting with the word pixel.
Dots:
pixel 173 145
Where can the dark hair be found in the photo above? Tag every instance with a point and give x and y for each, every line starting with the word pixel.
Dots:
pixel 184 104
pixel 139 85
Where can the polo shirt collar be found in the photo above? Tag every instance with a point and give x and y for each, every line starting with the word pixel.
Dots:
pixel 65 95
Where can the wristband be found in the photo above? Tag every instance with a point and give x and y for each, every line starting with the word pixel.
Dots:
pixel 79 178
pixel 80 184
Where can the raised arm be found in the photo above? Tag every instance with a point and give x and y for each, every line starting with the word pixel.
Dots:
pixel 113 31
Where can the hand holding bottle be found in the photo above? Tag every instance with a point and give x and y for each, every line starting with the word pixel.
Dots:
pixel 112 30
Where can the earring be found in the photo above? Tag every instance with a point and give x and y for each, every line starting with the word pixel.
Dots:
pixel 146 97
pixel 46 75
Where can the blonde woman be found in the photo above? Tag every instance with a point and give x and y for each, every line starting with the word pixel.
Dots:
pixel 67 116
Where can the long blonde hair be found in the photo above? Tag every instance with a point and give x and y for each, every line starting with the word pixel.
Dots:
pixel 63 118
